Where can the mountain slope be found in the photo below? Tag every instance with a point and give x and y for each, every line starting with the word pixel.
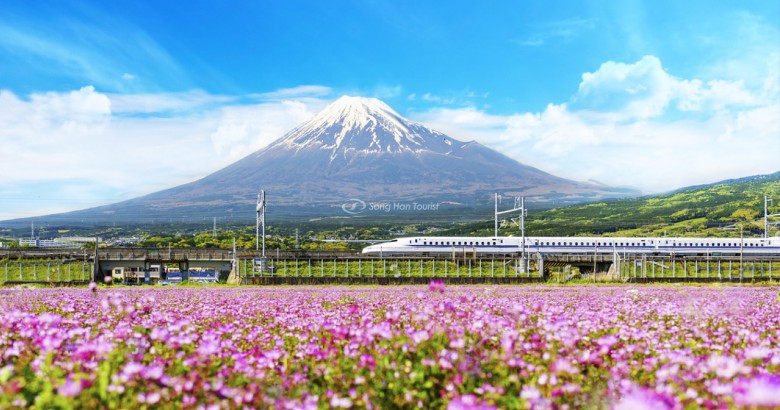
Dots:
pixel 361 148
pixel 703 210
pixel 356 148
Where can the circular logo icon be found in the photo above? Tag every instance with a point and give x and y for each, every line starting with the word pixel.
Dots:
pixel 353 206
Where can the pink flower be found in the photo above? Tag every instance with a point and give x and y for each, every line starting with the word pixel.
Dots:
pixel 468 402
pixel 436 286
pixel 71 388
pixel 339 402
pixel 420 336
pixel 644 399
pixel 761 391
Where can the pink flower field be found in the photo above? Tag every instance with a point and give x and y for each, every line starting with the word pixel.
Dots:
pixel 669 347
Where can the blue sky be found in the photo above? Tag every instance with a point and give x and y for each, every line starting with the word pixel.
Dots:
pixel 104 101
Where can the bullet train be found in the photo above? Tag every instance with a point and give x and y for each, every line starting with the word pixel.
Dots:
pixel 434 245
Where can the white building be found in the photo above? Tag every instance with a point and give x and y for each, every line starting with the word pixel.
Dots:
pixel 49 243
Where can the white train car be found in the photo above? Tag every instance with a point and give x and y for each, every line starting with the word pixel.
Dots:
pixel 470 246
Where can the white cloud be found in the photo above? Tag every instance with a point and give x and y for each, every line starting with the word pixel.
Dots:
pixel 101 52
pixel 644 90
pixel 635 124
pixel 639 90
pixel 164 103
pixel 55 144
pixel 300 91
pixel 559 30
pixel 244 129
pixel 437 99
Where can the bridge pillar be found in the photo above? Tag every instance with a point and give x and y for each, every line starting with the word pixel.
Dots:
pixel 184 267
pixel 540 265
pixel 235 274
pixel 147 268
pixel 97 272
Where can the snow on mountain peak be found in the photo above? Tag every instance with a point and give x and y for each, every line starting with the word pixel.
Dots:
pixel 352 125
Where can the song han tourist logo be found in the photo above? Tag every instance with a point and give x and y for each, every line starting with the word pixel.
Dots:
pixel 357 206
pixel 354 206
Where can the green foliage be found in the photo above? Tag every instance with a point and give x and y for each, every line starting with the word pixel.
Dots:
pixel 697 211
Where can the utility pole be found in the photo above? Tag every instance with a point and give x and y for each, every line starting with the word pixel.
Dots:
pixel 523 213
pixel 741 250
pixel 767 201
pixel 214 229
pixel 260 221
pixel 495 216
pixel 519 207
pixel 296 238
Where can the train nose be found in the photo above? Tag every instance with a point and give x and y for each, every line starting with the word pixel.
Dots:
pixel 370 250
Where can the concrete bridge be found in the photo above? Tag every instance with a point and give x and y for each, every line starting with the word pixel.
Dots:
pixel 107 259
pixel 348 267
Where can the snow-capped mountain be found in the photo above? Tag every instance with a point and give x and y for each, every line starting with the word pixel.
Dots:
pixel 354 125
pixel 358 148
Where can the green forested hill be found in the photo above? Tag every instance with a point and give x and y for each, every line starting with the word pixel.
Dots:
pixel 705 210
